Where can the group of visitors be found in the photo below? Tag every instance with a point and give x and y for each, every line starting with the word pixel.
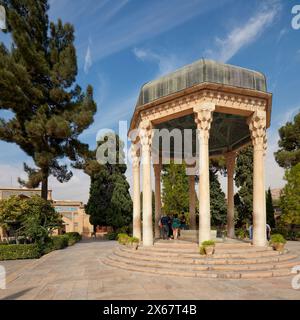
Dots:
pixel 170 226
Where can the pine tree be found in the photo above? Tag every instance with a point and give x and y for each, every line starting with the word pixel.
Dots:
pixel 288 154
pixel 270 209
pixel 37 83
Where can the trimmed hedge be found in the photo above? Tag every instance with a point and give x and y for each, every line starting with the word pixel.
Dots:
pixel 61 241
pixel 55 243
pixel 112 236
pixel 73 237
pixel 19 251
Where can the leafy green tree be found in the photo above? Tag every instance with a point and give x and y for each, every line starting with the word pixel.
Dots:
pixel 39 219
pixel 11 212
pixel 175 190
pixel 37 84
pixel 290 197
pixel 288 154
pixel 270 209
pixel 34 218
pixel 218 206
pixel 244 181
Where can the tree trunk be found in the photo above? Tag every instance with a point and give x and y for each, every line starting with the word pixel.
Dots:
pixel 44 194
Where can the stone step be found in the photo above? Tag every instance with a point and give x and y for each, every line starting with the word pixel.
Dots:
pixel 172 252
pixel 201 260
pixel 183 264
pixel 248 274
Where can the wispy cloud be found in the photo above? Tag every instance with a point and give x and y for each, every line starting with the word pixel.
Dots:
pixel 282 33
pixel 142 23
pixel 245 34
pixel 166 62
pixel 88 60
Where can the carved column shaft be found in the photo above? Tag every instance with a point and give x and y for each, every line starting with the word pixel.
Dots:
pixel 157 171
pixel 257 126
pixel 135 156
pixel 145 134
pixel 203 117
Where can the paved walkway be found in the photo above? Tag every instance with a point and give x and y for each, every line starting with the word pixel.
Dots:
pixel 78 273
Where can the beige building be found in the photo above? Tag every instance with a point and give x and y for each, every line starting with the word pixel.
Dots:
pixel 74 217
pixel 25 192
pixel 73 214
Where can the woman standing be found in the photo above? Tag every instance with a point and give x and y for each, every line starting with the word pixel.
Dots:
pixel 175 226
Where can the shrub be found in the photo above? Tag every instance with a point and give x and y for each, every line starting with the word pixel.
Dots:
pixel 241 233
pixel 72 237
pixel 56 243
pixel 277 238
pixel 202 250
pixel 280 230
pixel 112 236
pixel 123 238
pixel 133 240
pixel 208 243
pixel 19 251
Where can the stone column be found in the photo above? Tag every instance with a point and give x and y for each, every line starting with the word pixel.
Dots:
pixel 230 164
pixel 146 138
pixel 157 170
pixel 203 118
pixel 192 202
pixel 135 156
pixel 257 125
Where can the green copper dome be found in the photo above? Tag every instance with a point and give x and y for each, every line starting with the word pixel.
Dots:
pixel 199 72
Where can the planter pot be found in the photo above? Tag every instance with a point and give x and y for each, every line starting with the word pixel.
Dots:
pixel 133 246
pixel 278 246
pixel 209 250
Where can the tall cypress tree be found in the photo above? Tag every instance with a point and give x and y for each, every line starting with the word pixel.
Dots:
pixel 218 207
pixel 110 203
pixel 37 83
pixel 244 181
pixel 270 209
pixel 175 193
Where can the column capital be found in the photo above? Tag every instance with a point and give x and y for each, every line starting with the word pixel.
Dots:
pixel 145 134
pixel 257 126
pixel 135 155
pixel 203 118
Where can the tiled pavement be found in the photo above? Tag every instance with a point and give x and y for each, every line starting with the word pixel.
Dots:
pixel 78 273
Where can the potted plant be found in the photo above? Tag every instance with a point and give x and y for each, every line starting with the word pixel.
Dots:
pixel 277 241
pixel 123 238
pixel 134 242
pixel 208 247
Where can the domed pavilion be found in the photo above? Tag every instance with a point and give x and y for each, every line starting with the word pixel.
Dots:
pixel 227 108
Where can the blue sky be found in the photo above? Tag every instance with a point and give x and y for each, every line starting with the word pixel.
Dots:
pixel 121 44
